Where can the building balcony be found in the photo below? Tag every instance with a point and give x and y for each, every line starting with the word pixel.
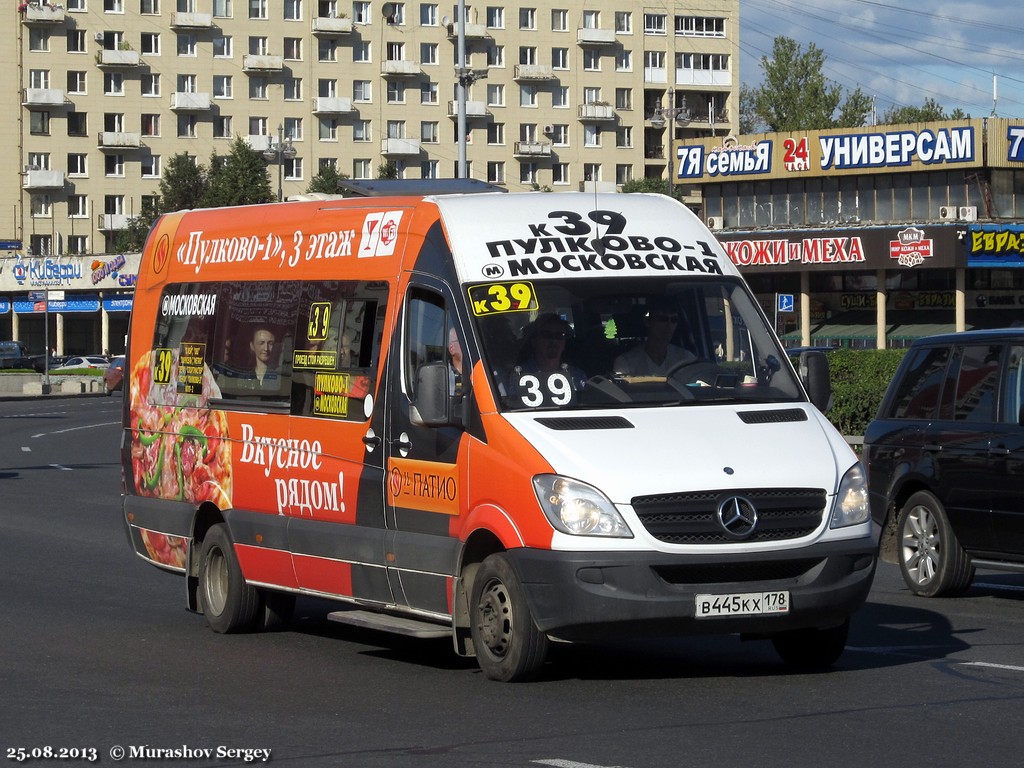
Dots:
pixel 531 149
pixel 533 72
pixel 39 13
pixel 258 142
pixel 587 36
pixel 596 112
pixel 332 105
pixel 36 179
pixel 400 147
pixel 182 20
pixel 401 68
pixel 43 97
pixel 118 58
pixel 472 31
pixel 326 26
pixel 119 140
pixel 108 222
pixel 253 62
pixel 182 101
pixel 473 109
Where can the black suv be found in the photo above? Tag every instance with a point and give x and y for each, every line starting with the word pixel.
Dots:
pixel 945 460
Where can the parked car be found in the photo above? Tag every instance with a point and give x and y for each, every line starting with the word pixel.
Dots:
pixel 945 460
pixel 83 361
pixel 113 376
pixel 14 354
pixel 41 365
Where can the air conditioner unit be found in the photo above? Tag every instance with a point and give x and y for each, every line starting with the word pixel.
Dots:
pixel 968 213
pixel 549 129
pixel 947 213
pixel 714 222
pixel 98 37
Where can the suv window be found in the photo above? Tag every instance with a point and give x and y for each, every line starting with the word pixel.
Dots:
pixel 1013 388
pixel 973 398
pixel 918 393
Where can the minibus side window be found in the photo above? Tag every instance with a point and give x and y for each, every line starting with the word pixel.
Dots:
pixel 179 364
pixel 339 329
pixel 426 341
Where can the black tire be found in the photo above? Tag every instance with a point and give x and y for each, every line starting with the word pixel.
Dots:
pixel 812 648
pixel 508 645
pixel 931 559
pixel 227 601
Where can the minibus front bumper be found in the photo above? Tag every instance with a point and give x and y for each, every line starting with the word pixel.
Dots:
pixel 592 595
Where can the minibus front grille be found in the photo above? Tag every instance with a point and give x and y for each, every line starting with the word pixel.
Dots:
pixel 735 573
pixel 692 518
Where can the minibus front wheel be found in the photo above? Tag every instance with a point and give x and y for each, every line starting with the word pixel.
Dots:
pixel 225 598
pixel 508 645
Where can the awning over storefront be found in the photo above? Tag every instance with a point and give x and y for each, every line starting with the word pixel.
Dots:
pixel 919 330
pixel 843 332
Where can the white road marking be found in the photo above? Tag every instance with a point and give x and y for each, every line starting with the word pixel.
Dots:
pixel 993 666
pixel 26 448
pixel 556 763
pixel 75 429
pixel 61 467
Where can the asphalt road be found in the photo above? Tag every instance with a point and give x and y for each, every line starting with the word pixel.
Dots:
pixel 99 654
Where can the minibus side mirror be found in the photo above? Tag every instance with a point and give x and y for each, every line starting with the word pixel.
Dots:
pixel 433 406
pixel 814 374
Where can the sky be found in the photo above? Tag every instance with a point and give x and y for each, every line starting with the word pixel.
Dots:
pixel 901 52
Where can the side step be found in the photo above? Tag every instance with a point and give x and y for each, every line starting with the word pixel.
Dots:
pixel 385 622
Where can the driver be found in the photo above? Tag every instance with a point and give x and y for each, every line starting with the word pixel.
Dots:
pixel 657 356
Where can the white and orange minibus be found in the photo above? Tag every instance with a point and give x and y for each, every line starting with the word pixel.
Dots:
pixel 510 419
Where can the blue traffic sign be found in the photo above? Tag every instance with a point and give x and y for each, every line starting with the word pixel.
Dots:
pixel 785 302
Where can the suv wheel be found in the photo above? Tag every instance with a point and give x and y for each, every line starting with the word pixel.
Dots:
pixel 931 559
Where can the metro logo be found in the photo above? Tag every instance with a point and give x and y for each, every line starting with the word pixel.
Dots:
pixel 380 234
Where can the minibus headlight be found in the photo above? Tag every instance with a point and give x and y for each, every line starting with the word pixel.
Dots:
pixel 852 506
pixel 577 508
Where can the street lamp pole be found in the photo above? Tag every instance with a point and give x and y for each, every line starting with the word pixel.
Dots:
pixel 278 153
pixel 667 116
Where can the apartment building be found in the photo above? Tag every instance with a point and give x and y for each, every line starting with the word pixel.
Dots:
pixel 558 94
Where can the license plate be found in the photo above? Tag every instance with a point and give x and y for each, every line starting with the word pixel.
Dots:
pixel 741 604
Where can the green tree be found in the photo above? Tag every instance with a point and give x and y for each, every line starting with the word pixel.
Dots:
pixel 930 111
pixel 795 95
pixel 327 181
pixel 240 178
pixel 182 184
pixel 387 170
pixel 647 185
pixel 133 237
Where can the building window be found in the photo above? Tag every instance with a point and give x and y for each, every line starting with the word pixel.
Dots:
pixel 397 15
pixel 222 127
pixel 113 165
pixel 150 166
pixel 496 133
pixel 75 5
pixel 77 164
pixel 624 136
pixel 429 132
pixel 293 49
pixel 495 17
pixel 38 40
pixel 327 128
pixel 654 23
pixel 429 169
pixel 361 12
pixel 428 54
pixel 560 97
pixel 428 15
pixel 362 91
pixel 559 20
pixel 39 124
pixel 257 9
pixel 113 6
pixel 258 45
pixel 528 173
pixel 360 169
pixel 186 126
pixel 222 47
pixel 113 84
pixel 293 168
pixel 76 82
pixel 591 60
pixel 428 93
pixel 150 125
pixel 293 89
pixel 361 52
pixel 623 98
pixel 186 44
pixel 76 41
pixel 496 172
pixel 361 130
pixel 222 87
pixel 258 126
pixel 495 95
pixel 624 61
pixel 40 245
pixel 495 55
pixel 293 128
pixel 527 96
pixel 527 18
pixel 591 171
pixel 396 93
pixel 700 26
pixel 150 85
pixel 560 135
pixel 591 135
pixel 78 245
pixel 560 173
pixel 327 50
pixel 258 88
pixel 149 44
pixel 78 124
pixel 623 173
pixel 559 58
pixel 293 10
pixel 149 7
pixel 222 9
pixel 591 19
pixel 527 55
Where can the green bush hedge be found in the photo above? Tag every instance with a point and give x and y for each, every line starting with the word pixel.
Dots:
pixel 859 379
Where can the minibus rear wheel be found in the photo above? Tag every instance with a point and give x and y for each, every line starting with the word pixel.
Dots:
pixel 508 645
pixel 228 602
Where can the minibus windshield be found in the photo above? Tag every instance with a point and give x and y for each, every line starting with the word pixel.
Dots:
pixel 562 344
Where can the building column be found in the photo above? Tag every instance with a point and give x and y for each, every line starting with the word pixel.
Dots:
pixel 960 297
pixel 59 341
pixel 15 324
pixel 104 328
pixel 880 341
pixel 805 309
